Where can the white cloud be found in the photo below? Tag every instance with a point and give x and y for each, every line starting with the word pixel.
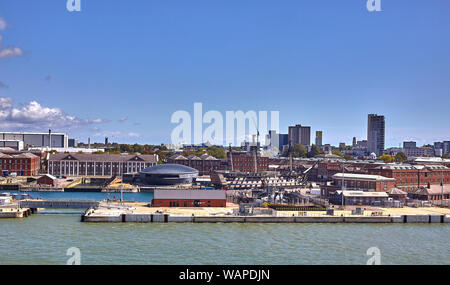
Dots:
pixel 34 116
pixel 8 52
pixel 135 135
pixel 11 52
pixel 2 24
pixel 97 121
pixel 121 120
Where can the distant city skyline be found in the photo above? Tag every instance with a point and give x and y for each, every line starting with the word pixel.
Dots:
pixel 104 73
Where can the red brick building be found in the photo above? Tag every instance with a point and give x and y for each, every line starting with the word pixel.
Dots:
pixel 189 198
pixel 432 193
pixel 205 164
pixel 47 179
pixel 359 182
pixel 245 162
pixel 411 177
pixel 23 164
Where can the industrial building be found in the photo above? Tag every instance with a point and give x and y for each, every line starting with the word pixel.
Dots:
pixel 13 144
pixel 189 198
pixel 411 177
pixel 168 174
pixel 37 139
pixel 364 182
pixel 360 198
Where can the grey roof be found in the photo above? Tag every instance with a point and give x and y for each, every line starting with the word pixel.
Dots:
pixel 396 191
pixel 364 194
pixel 20 155
pixel 362 177
pixel 103 157
pixel 170 169
pixel 433 190
pixel 190 194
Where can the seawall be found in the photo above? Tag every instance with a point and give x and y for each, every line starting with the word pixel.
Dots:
pixel 166 218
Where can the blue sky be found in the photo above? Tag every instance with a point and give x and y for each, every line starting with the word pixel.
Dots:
pixel 121 68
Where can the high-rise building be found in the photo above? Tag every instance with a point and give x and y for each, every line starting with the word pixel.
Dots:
pixel 277 140
pixel 319 138
pixel 376 133
pixel 409 144
pixel 299 134
pixel 354 142
pixel 73 142
pixel 442 147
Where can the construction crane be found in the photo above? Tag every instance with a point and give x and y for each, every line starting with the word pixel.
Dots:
pixel 257 145
pixel 230 150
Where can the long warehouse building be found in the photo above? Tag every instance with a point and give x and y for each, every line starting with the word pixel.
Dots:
pixel 77 164
pixel 37 139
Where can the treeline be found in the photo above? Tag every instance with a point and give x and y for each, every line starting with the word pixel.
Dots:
pixel 300 151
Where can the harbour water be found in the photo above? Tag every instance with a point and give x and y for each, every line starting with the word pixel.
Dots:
pixel 97 196
pixel 44 238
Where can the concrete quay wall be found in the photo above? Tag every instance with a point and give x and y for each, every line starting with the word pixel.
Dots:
pixel 166 218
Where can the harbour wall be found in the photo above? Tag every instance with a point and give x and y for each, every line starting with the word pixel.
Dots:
pixel 166 218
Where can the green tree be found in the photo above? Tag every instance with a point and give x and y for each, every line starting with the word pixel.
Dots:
pixel 401 157
pixel 337 152
pixel 387 158
pixel 299 151
pixel 315 150
pixel 348 157
pixel 445 156
pixel 217 152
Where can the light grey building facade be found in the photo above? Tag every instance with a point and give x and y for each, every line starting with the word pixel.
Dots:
pixel 37 139
pixel 299 134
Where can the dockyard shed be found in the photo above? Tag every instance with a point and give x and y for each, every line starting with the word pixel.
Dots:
pixel 189 198
pixel 47 179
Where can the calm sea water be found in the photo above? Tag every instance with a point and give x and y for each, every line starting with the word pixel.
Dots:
pixel 98 196
pixel 44 239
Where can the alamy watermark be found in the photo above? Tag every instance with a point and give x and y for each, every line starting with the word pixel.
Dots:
pixel 75 256
pixel 373 5
pixel 233 128
pixel 375 254
pixel 73 5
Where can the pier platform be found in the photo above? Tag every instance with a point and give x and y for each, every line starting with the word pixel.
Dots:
pixel 142 213
pixel 13 213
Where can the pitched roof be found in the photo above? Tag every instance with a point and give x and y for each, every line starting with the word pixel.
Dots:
pixel 20 155
pixel 433 190
pixel 396 191
pixel 103 157
pixel 362 177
